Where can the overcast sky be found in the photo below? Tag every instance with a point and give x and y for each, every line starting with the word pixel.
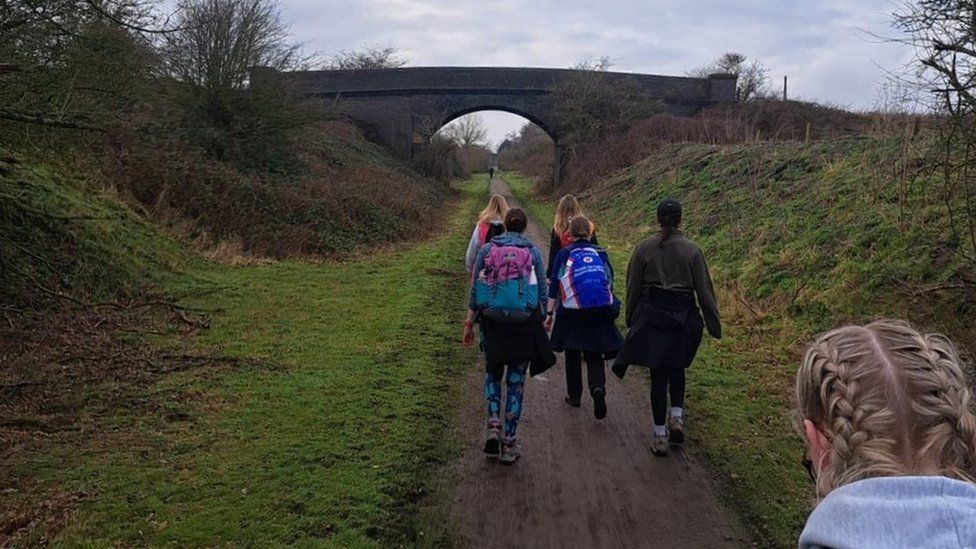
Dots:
pixel 824 46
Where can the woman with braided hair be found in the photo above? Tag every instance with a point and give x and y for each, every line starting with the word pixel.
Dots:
pixel 891 434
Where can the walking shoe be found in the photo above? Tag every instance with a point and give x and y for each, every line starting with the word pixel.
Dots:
pixel 676 430
pixel 510 454
pixel 493 446
pixel 659 445
pixel 599 402
pixel 574 402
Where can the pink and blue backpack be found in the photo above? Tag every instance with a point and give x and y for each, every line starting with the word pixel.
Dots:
pixel 507 289
pixel 584 282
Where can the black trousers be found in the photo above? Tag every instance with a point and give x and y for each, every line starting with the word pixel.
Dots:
pixel 595 374
pixel 663 381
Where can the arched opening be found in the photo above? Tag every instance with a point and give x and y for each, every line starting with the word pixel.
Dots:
pixel 501 138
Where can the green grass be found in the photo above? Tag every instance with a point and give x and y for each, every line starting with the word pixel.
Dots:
pixel 726 411
pixel 799 238
pixel 335 438
pixel 59 233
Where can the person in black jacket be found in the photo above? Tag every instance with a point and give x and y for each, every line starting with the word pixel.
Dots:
pixel 667 283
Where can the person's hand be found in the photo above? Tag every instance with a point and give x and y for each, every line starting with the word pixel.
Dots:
pixel 467 336
pixel 548 324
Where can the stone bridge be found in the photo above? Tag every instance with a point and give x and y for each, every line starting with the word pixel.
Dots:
pixel 402 108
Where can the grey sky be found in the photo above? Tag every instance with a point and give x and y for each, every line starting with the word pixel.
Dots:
pixel 823 46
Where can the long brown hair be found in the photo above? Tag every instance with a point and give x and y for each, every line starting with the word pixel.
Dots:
pixel 566 210
pixel 496 209
pixel 891 401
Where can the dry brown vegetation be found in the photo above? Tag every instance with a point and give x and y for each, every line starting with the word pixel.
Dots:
pixel 761 120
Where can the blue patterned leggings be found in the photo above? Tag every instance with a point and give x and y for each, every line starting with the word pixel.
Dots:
pixel 514 382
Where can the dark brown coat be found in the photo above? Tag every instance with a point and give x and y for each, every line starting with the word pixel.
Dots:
pixel 678 265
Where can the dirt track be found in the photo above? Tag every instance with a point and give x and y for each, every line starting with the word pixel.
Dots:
pixel 583 482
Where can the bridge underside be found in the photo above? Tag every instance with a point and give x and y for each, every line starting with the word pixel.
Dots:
pixel 403 108
pixel 405 122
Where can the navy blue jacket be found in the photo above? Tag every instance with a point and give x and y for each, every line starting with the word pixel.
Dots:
pixel 562 255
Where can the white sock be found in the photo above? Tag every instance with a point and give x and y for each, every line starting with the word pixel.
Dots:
pixel 676 412
pixel 660 431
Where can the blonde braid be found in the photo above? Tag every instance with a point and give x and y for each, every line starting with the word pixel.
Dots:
pixel 946 423
pixel 855 408
pixel 890 401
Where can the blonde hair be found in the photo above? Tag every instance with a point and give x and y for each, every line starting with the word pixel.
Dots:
pixel 496 209
pixel 580 227
pixel 566 210
pixel 891 401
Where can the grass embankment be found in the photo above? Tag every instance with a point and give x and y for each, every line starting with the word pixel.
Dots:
pixel 330 432
pixel 339 193
pixel 799 238
pixel 59 235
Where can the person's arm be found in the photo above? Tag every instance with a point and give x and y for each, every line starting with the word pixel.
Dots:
pixel 554 245
pixel 540 275
pixel 706 295
pixel 550 316
pixel 560 259
pixel 472 252
pixel 635 283
pixel 606 261
pixel 479 264
pixel 467 334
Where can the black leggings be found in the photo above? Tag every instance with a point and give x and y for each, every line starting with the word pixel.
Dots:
pixel 663 379
pixel 595 374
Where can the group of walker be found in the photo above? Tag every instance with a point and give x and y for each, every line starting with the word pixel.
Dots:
pixel 527 311
pixel 885 409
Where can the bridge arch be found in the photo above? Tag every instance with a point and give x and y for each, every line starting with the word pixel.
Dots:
pixel 543 124
pixel 399 106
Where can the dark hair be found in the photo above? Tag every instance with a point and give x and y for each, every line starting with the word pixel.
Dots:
pixel 515 220
pixel 580 227
pixel 668 216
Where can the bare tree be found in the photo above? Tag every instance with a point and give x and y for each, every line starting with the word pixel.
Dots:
pixel 753 76
pixel 592 101
pixel 219 41
pixel 367 58
pixel 467 131
pixel 73 63
pixel 943 34
pixel 212 55
pixel 598 64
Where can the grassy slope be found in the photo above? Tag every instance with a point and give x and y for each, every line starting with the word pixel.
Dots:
pixel 330 438
pixel 799 238
pixel 58 233
pixel 333 441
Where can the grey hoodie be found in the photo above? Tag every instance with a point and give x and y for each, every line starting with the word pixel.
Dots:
pixel 893 512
